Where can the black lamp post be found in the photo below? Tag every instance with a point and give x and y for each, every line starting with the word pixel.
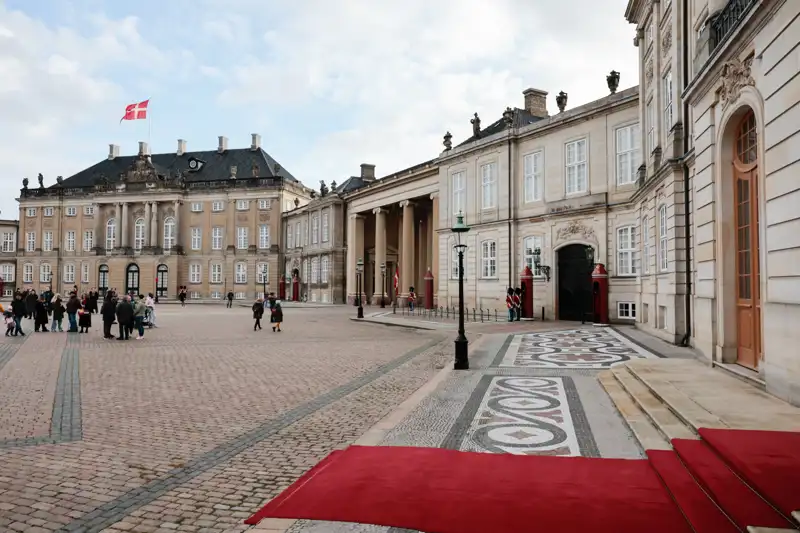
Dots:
pixel 537 263
pixel 590 261
pixel 461 343
pixel 383 285
pixel 264 280
pixel 359 282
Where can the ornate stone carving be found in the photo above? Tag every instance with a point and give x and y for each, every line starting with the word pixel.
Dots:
pixel 263 217
pixel 41 181
pixel 138 213
pixel 612 80
pixel 241 217
pixel 666 41
pixel 448 141
pixel 170 212
pixel 575 228
pixel 476 126
pixel 736 75
pixel 561 101
pixel 141 171
pixel 648 71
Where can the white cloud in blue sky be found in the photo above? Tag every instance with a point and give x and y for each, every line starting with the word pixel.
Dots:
pixel 329 84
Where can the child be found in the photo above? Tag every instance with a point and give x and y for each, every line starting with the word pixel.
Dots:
pixel 258 312
pixel 10 324
pixel 277 316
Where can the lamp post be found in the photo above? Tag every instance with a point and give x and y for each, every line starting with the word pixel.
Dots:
pixel 383 285
pixel 537 262
pixel 590 261
pixel 359 281
pixel 264 280
pixel 461 343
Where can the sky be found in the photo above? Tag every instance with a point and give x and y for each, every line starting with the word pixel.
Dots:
pixel 329 84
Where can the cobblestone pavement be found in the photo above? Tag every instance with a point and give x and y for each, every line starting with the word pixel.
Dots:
pixel 194 427
pixel 533 393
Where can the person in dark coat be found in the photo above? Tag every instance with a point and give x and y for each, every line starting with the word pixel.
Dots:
pixel 109 314
pixel 258 313
pixel 40 316
pixel 85 315
pixel 125 318
pixel 58 313
pixel 230 299
pixel 277 316
pixel 18 308
pixel 30 303
pixel 73 305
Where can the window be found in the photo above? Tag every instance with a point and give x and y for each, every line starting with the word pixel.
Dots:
pixel 216 273
pixel 27 273
pixel 48 241
pixel 9 241
pixel 48 211
pixel 314 229
pixel 626 251
pixel 488 186
pixel 626 310
pixel 532 167
pixel 263 236
pixel 7 272
pixel 297 242
pixel 663 262
pixel 459 181
pixel 289 237
pixel 667 103
pixel 88 240
pixel 241 238
pixel 31 212
pixel 241 272
pixel 325 227
pixel 111 234
pixel 70 241
pixel 242 205
pixel 530 244
pixel 197 239
pixel 217 206
pixel 88 210
pixel 194 273
pixel 264 203
pixel 194 295
pixel 645 245
pixel 488 259
pixel 138 234
pixel 324 270
pixel 71 211
pixel 45 273
pixel 651 127
pixel 30 241
pixel 453 260
pixel 216 295
pixel 239 296
pixel 216 238
pixel 627 154
pixel 262 273
pixel 69 273
pixel 314 270
pixel 576 167
pixel 305 233
pixel 169 233
pixel 197 207
pixel 84 272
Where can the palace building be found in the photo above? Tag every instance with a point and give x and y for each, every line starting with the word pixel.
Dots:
pixel 208 220
pixel 8 257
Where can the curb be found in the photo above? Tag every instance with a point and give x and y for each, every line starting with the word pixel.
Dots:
pixel 393 324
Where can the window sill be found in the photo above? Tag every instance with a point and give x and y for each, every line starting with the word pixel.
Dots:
pixel 576 194
pixel 495 278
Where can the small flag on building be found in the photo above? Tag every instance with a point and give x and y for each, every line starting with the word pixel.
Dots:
pixel 136 111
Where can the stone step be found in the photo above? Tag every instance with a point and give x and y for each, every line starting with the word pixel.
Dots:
pixel 648 436
pixel 661 416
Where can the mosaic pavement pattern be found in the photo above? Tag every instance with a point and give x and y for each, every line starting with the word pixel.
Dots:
pixel 587 348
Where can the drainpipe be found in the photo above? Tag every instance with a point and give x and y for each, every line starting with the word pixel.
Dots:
pixel 686 196
pixel 511 245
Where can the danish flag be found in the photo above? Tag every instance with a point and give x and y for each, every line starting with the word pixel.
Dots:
pixel 135 111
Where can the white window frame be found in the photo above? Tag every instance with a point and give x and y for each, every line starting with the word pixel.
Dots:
pixel 489 186
pixel 47 241
pixel 533 170
pixel 576 169
pixel 217 238
pixel 84 272
pixel 27 273
pixel 645 245
pixel 260 279
pixel 7 272
pixel 69 241
pixel 48 211
pixel 668 107
pixel 111 234
pixel 217 206
pixel 314 270
pixel 31 212
pixel 197 239
pixel 627 145
pixel 264 204
pixel 88 240
pixel 195 273
pixel 242 205
pixel 626 310
pixel 263 237
pixel 197 207
pixel 30 241
pixel 315 229
pixel 298 242
pixel 489 259
pixel 453 260
pixel 216 273
pixel 323 270
pixel 626 251
pixel 289 236
pixel 170 233
pixel 240 269
pixel 9 243
pixel 45 273
pixel 139 230
pixel 529 245
pixel 242 242
pixel 88 210
pixel 71 211
pixel 663 258
pixel 326 228
pixel 651 127
pixel 459 189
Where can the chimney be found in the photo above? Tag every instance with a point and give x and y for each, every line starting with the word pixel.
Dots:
pixel 113 151
pixel 255 144
pixel 223 144
pixel 536 102
pixel 367 171
pixel 143 148
pixel 181 147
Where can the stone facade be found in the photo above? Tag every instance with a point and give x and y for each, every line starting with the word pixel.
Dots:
pixel 8 256
pixel 153 229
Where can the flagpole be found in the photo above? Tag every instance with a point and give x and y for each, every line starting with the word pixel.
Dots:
pixel 149 127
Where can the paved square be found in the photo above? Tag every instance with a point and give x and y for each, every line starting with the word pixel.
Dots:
pixel 194 427
pixel 590 348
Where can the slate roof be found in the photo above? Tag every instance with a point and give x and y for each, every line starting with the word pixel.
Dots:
pixel 351 184
pixel 217 167
pixel 521 118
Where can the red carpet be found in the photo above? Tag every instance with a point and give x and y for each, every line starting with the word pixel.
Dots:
pixel 702 512
pixel 769 461
pixel 445 491
pixel 743 506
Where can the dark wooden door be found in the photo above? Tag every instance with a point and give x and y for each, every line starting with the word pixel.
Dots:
pixel 132 280
pixel 162 280
pixel 574 282
pixel 748 294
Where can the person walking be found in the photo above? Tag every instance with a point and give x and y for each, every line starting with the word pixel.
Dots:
pixel 277 316
pixel 30 304
pixel 139 310
pixel 150 303
pixel 182 296
pixel 124 317
pixel 73 305
pixel 58 313
pixel 109 313
pixel 230 299
pixel 19 310
pixel 258 313
pixel 40 316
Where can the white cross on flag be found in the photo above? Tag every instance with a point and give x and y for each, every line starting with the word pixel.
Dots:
pixel 136 111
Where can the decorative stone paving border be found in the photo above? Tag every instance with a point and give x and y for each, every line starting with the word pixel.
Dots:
pixel 7 351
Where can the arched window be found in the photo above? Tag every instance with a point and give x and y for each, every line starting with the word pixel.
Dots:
pixel 162 280
pixel 138 234
pixel 45 273
pixel 132 279
pixel 111 234
pixel 169 233
pixel 102 279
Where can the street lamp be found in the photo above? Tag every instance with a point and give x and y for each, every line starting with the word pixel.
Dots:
pixel 264 280
pixel 461 344
pixel 359 281
pixel 537 262
pixel 590 260
pixel 383 285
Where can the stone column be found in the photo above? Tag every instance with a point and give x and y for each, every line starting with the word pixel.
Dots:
pixel 230 236
pixel 355 251
pixel 407 274
pixel 124 226
pixel 178 240
pixel 154 224
pixel 99 228
pixel 434 246
pixel 421 255
pixel 380 255
pixel 147 224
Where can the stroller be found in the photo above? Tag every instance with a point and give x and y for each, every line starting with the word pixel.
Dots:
pixel 148 315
